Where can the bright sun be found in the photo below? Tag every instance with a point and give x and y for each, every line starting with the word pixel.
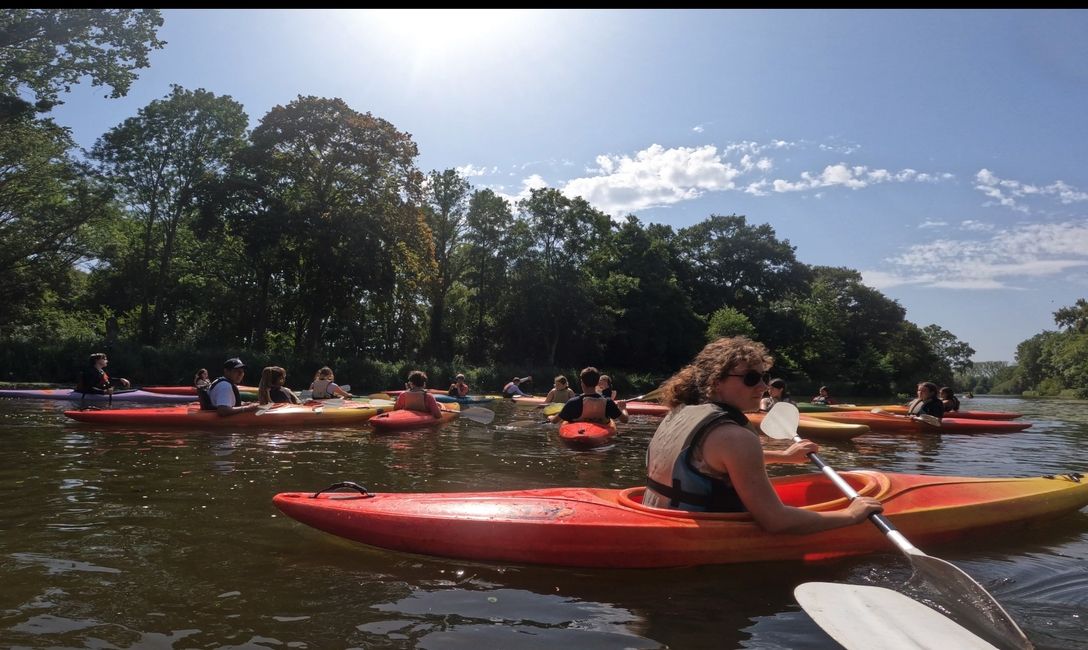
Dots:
pixel 436 31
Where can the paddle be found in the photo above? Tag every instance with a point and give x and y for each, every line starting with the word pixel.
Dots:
pixel 647 396
pixel 942 583
pixel 846 613
pixel 924 417
pixel 265 409
pixel 553 408
pixel 478 414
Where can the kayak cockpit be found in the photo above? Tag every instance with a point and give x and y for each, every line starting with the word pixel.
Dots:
pixel 810 491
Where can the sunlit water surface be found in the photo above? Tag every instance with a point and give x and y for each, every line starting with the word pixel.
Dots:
pixel 121 538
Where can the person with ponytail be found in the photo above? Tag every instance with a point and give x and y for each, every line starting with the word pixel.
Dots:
pixel 705 457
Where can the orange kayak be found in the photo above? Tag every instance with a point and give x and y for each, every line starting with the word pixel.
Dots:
pixel 888 423
pixel 285 416
pixel 647 408
pixel 587 435
pixel 601 528
pixel 817 429
pixel 408 419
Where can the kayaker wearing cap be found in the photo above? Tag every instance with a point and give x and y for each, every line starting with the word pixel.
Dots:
pixel 704 458
pixel 927 402
pixel 513 387
pixel 776 392
pixel 223 396
pixel 416 398
pixel 590 406
pixel 459 388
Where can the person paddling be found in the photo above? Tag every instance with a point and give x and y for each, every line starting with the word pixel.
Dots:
pixel 560 393
pixel 513 387
pixel 94 380
pixel 223 396
pixel 590 406
pixel 416 398
pixel 705 458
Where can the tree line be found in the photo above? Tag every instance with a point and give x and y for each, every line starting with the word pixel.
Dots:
pixel 314 233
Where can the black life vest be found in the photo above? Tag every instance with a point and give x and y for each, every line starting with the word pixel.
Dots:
pixel 204 395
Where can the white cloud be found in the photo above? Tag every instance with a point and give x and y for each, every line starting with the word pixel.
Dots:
pixel 470 170
pixel 698 128
pixel 534 182
pixel 654 177
pixel 933 224
pixel 658 176
pixel 854 177
pixel 1030 250
pixel 1010 193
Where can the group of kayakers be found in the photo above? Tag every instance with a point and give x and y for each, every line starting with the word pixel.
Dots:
pixel 703 456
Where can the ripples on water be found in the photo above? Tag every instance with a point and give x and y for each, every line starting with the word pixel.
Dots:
pixel 161 539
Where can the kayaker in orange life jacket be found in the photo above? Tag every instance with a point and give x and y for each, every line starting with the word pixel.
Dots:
pixel 93 378
pixel 590 406
pixel 416 398
pixel 704 458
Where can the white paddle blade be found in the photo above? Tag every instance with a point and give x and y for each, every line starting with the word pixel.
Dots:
pixel 862 617
pixel 478 414
pixel 781 421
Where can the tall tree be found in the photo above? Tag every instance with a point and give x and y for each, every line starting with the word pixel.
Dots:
pixel 493 239
pixel 566 235
pixel 447 197
pixel 46 51
pixel 47 203
pixel 724 262
pixel 952 352
pixel 346 189
pixel 156 160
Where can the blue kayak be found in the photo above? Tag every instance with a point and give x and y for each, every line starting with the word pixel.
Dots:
pixel 135 395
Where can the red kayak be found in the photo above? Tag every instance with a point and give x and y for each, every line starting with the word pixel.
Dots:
pixel 280 416
pixel 647 408
pixel 888 423
pixel 587 435
pixel 602 528
pixel 407 419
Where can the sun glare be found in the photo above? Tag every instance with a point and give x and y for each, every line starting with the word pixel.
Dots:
pixel 440 31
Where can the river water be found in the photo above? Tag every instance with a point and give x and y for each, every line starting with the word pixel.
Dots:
pixel 124 538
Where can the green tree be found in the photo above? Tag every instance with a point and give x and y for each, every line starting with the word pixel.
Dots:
pixel 48 203
pixel 952 352
pixel 723 261
pixel 1075 317
pixel 447 197
pixel 566 235
pixel 729 322
pixel 345 194
pixel 157 160
pixel 655 323
pixel 493 239
pixel 46 51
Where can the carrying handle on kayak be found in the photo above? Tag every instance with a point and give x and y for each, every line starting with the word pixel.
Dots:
pixel 344 484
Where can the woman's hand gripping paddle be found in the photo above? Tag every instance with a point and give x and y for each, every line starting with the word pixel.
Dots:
pixel 941 582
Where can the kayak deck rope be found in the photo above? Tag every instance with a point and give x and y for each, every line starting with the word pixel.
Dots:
pixel 1072 476
pixel 344 484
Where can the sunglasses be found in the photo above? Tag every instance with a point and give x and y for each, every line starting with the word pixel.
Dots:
pixel 753 378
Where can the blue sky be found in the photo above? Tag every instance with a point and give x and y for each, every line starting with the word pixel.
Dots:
pixel 939 152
